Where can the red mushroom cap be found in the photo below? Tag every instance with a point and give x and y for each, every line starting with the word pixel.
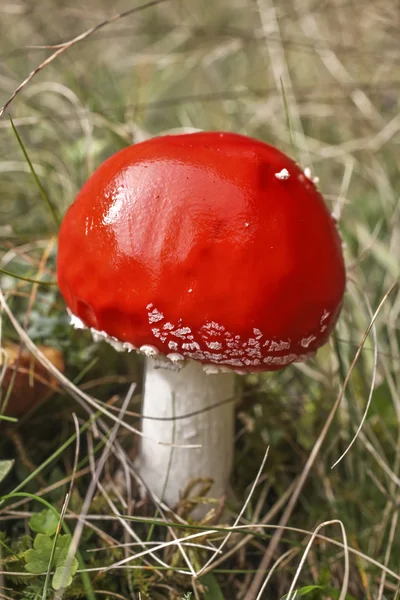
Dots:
pixel 211 246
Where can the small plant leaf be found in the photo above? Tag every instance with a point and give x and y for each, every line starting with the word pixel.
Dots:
pixel 5 468
pixel 45 521
pixel 334 593
pixel 304 591
pixel 213 591
pixel 37 558
pixel 326 589
pixel 65 567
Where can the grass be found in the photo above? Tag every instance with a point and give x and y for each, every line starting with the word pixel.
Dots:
pixel 328 533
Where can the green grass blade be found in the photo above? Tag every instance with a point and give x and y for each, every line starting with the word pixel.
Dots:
pixel 42 191
pixel 28 279
pixel 8 419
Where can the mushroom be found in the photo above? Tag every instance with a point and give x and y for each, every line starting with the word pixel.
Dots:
pixel 212 254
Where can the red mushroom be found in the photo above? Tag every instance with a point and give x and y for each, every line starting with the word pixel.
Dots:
pixel 216 252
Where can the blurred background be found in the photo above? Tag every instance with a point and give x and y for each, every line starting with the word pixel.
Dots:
pixel 331 69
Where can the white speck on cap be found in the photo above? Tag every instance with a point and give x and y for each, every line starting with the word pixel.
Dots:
pixel 214 345
pixel 280 360
pixel 75 321
pixel 282 175
pixel 309 175
pixel 155 315
pixel 119 346
pixel 175 357
pixel 305 342
pixel 280 345
pixel 182 332
pixel 102 336
pixel 213 327
pixel 149 350
pixel 325 315
pixel 191 346
pixel 253 352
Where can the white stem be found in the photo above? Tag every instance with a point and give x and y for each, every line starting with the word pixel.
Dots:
pixel 168 469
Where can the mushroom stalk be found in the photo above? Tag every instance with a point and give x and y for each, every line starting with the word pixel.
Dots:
pixel 165 466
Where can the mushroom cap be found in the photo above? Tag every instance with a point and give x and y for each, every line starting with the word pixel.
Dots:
pixel 210 246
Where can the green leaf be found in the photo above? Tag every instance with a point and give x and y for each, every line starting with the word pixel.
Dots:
pixel 5 468
pixel 303 591
pixel 213 591
pixel 326 589
pixel 45 521
pixel 37 558
pixel 64 572
pixel 334 593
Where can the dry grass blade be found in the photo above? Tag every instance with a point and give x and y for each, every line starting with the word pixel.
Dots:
pixel 215 531
pixel 73 548
pixel 361 346
pixel 218 550
pixel 343 591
